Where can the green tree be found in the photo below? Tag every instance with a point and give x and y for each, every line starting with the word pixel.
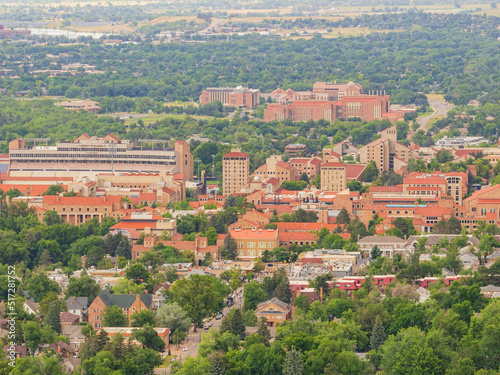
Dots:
pixel 54 190
pixel 143 318
pixel 293 363
pixel 113 317
pixel 52 319
pixel 234 324
pixel 229 249
pixel 137 273
pixel 39 285
pixel 263 331
pixel 375 253
pixel 126 286
pixel 200 296
pixel 52 218
pixel 124 249
pixel 371 172
pixel 253 295
pixel 343 217
pixel 378 335
pixel 174 317
pixel 283 290
pixel 83 286
pixel 148 337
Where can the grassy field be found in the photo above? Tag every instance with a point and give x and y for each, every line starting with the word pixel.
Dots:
pixel 151 119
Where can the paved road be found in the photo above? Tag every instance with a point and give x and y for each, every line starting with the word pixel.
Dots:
pixel 440 108
pixel 194 338
pixel 216 23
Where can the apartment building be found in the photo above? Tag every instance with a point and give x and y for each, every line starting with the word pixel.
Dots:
pixel 231 97
pixel 79 210
pixel 276 167
pixel 130 304
pixel 387 153
pixel 333 177
pixel 251 243
pixel 235 171
pixel 87 156
pixel 310 166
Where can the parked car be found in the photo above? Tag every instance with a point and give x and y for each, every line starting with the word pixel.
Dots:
pixel 219 316
pixel 207 326
pixel 185 349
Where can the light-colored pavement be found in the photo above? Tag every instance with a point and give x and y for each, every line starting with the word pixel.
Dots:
pixel 440 107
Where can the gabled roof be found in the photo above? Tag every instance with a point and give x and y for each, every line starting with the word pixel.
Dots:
pixel 67 317
pixel 123 300
pixel 281 304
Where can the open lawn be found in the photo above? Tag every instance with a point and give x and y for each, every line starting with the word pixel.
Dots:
pixel 436 97
pixel 151 119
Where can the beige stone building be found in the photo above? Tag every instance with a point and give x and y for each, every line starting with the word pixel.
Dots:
pixel 276 167
pixel 387 153
pixel 309 166
pixel 333 177
pixel 235 171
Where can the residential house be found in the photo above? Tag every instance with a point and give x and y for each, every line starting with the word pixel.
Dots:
pixel 17 351
pixel 469 260
pixel 275 311
pixel 78 306
pixel 75 336
pixel 129 303
pixel 69 319
pixel 31 307
pixel 490 291
pixel 388 245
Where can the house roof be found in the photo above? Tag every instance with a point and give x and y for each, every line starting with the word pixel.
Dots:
pixel 32 305
pixel 73 331
pixel 306 227
pixel 281 304
pixel 77 303
pixel 381 240
pixel 67 317
pixel 297 236
pixel 241 234
pixel 123 300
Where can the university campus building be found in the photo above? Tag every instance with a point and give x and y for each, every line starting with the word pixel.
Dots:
pixel 231 97
pixel 88 155
pixel 330 101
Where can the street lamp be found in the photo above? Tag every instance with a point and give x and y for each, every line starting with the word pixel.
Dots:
pixel 213 167
pixel 198 161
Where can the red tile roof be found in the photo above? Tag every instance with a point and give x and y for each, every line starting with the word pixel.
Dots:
pixel 29 190
pixel 134 225
pixel 304 227
pixel 386 189
pixel 354 170
pixel 235 154
pixel 242 234
pixel 81 201
pixel 297 236
pixel 424 181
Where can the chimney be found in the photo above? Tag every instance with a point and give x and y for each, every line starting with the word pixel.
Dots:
pixel 196 267
pixel 74 297
pixel 146 291
pixel 130 293
pixel 321 294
